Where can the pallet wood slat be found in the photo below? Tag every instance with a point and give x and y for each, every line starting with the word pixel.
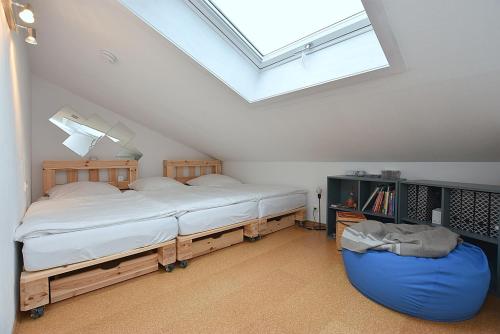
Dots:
pixel 216 230
pixel 74 285
pixel 184 249
pixel 29 276
pixel 94 175
pixel 34 294
pixel 270 224
pixel 211 244
pixel 179 172
pixel 34 286
pixel 177 169
pixel 166 254
pixel 189 246
pixel 72 168
pixel 132 175
pixel 49 179
pixel 112 177
pixel 71 175
pixel 89 164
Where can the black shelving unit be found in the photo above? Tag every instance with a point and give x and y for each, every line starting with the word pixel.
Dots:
pixel 471 210
pixel 339 188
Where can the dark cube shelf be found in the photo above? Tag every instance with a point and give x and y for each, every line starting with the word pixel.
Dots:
pixel 471 210
pixel 339 188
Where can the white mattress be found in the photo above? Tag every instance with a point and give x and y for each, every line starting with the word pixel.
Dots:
pixel 55 250
pixel 274 205
pixel 208 219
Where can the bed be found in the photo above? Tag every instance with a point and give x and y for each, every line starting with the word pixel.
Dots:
pixel 278 206
pixel 261 210
pixel 62 259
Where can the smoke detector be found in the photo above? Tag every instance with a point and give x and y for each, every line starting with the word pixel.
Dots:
pixel 108 56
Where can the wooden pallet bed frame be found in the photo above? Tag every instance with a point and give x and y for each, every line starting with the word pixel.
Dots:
pixel 281 220
pixel 39 288
pixel 189 246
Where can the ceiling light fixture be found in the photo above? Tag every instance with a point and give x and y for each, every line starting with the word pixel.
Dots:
pixel 25 13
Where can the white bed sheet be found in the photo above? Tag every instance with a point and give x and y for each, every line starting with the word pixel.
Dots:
pixel 208 219
pixel 272 199
pixel 274 205
pixel 53 250
pixel 65 215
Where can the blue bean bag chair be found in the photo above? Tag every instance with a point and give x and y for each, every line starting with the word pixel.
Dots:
pixel 451 288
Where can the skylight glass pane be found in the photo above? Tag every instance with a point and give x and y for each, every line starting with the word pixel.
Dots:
pixel 272 25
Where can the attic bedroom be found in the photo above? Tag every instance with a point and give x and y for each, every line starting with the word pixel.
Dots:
pixel 217 166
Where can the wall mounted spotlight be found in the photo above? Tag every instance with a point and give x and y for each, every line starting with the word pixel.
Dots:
pixel 31 38
pixel 25 13
pixel 30 34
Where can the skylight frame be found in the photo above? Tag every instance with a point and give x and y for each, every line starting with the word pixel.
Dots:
pixel 335 33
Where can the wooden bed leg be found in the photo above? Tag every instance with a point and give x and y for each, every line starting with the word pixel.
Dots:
pixel 184 249
pixel 167 256
pixel 251 230
pixel 33 294
pixel 184 252
pixel 300 215
pixel 262 226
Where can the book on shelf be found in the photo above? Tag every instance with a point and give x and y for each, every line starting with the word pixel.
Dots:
pixel 370 199
pixel 382 200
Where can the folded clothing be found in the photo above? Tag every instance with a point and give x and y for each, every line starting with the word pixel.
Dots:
pixel 401 239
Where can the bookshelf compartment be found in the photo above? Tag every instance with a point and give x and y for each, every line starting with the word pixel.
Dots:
pixel 475 212
pixel 344 188
pixel 420 201
pixel 367 191
pixel 494 215
pixel 339 188
pixel 455 208
pixel 481 213
pixel 429 198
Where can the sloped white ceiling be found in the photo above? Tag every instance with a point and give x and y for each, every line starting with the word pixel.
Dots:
pixel 445 106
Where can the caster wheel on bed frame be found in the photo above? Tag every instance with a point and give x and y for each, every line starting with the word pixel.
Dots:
pixel 169 267
pixel 254 239
pixel 37 312
pixel 183 264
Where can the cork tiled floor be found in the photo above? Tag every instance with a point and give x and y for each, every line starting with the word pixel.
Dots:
pixel 291 281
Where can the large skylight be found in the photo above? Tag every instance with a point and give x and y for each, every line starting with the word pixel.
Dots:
pixel 267 48
pixel 269 32
pixel 272 25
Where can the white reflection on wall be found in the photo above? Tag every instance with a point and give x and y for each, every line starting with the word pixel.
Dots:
pixel 86 133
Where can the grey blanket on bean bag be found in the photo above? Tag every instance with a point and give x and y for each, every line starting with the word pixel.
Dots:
pixel 401 239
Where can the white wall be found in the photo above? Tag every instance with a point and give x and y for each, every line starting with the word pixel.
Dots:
pixel 310 175
pixel 15 165
pixel 47 139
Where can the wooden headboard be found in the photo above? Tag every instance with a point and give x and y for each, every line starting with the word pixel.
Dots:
pixel 72 170
pixel 185 170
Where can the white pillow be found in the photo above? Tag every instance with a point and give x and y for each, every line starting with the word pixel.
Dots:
pixel 155 183
pixel 213 180
pixel 82 188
